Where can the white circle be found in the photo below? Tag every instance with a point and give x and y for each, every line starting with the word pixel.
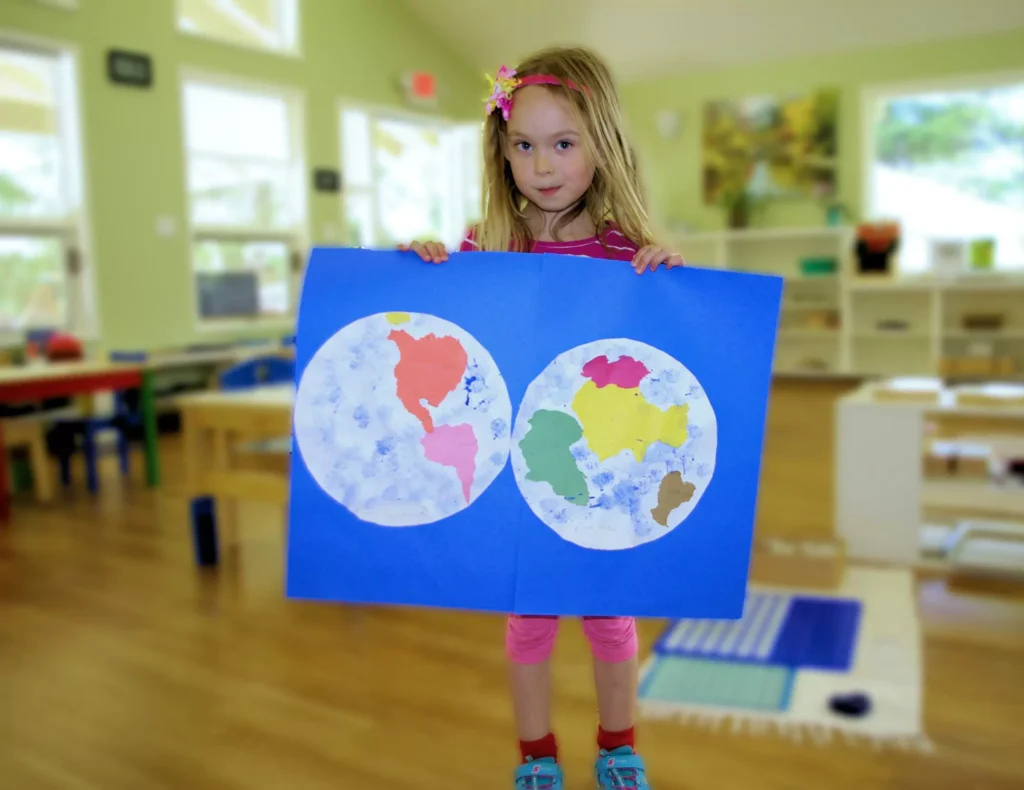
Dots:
pixel 410 445
pixel 618 457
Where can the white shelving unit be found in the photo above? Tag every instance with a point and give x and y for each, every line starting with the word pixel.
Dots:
pixel 893 506
pixel 843 324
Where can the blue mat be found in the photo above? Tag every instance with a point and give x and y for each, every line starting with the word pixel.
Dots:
pixel 682 680
pixel 777 629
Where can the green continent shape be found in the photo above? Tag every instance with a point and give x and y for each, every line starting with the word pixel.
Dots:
pixel 548 458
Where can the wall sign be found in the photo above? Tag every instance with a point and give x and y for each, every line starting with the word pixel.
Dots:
pixel 326 180
pixel 130 68
pixel 420 88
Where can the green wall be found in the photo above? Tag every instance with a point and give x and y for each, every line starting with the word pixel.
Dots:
pixel 134 156
pixel 673 167
pixel 356 48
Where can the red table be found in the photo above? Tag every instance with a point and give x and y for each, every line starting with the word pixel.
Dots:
pixel 68 379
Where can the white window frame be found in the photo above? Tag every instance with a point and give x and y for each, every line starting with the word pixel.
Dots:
pixel 297 238
pixel 380 111
pixel 73 232
pixel 872 97
pixel 293 51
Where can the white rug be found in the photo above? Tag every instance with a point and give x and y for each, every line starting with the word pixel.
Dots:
pixel 760 698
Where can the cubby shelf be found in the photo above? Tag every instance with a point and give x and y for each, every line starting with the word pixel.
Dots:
pixel 846 324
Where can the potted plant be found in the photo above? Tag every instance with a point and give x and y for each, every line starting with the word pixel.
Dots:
pixel 739 204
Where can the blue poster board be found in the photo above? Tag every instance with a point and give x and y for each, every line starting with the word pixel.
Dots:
pixel 540 434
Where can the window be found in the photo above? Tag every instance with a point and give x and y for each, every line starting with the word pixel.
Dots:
pixel 247 201
pixel 408 177
pixel 42 221
pixel 947 162
pixel 260 24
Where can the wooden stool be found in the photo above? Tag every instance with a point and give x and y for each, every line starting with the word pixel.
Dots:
pixel 29 432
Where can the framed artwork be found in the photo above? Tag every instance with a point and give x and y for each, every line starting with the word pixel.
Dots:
pixel 770 147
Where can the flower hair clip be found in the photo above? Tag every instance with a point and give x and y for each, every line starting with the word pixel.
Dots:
pixel 501 91
pixel 507 83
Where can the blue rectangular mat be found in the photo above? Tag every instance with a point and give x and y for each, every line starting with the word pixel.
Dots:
pixel 682 680
pixel 777 629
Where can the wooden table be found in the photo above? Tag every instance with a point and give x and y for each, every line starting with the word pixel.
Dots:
pixel 216 429
pixel 68 379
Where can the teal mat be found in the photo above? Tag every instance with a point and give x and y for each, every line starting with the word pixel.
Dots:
pixel 697 681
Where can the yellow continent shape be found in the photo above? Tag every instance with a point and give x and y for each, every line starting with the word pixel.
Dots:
pixel 616 419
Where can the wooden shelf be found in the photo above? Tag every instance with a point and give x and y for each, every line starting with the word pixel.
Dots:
pixel 974 497
pixel 932 307
pixel 988 336
pixel 889 284
pixel 828 334
pixel 890 334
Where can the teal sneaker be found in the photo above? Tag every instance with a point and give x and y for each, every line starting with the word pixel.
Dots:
pixel 542 774
pixel 621 769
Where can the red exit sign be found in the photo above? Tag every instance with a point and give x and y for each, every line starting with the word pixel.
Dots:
pixel 420 87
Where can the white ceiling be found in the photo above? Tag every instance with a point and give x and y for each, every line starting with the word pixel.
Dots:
pixel 646 38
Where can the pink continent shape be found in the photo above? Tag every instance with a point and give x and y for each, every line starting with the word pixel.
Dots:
pixel 625 372
pixel 455 446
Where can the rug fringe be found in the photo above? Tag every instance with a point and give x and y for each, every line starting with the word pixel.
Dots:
pixel 818 734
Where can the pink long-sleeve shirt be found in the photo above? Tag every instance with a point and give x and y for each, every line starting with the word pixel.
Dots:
pixel 616 246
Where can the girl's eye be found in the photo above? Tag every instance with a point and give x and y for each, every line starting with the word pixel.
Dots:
pixel 523 146
pixel 566 143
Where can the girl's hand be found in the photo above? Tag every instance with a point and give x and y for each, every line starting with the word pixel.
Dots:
pixel 430 251
pixel 653 256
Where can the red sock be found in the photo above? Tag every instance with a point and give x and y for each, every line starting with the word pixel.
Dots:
pixel 610 741
pixel 535 750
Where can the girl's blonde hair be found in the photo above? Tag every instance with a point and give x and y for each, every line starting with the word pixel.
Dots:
pixel 614 196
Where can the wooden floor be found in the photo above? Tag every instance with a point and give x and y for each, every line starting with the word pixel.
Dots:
pixel 124 668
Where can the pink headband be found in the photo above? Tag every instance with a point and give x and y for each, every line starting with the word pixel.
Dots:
pixel 507 82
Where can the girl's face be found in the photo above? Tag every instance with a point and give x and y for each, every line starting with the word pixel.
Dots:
pixel 545 150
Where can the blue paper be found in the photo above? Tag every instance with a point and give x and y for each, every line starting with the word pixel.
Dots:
pixel 540 434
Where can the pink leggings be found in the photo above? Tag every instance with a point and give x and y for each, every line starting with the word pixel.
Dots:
pixel 530 639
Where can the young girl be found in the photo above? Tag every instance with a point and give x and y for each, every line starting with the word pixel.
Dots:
pixel 561 178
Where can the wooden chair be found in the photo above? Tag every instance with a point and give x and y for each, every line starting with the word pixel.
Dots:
pixel 268 455
pixel 29 432
pixel 258 372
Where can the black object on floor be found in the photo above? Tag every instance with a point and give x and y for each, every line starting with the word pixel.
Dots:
pixel 204 530
pixel 850 704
